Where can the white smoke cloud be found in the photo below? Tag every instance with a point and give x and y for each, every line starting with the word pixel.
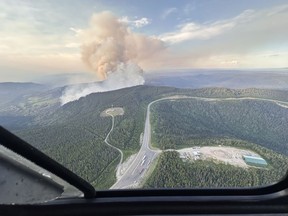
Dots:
pixel 113 52
pixel 126 75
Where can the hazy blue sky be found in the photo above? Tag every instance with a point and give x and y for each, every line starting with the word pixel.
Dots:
pixel 41 37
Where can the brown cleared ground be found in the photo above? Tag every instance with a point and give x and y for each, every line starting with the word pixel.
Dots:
pixel 115 111
pixel 229 155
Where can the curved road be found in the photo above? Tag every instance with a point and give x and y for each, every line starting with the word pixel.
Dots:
pixel 106 140
pixel 135 173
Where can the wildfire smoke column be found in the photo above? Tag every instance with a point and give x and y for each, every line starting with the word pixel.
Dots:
pixel 108 42
pixel 112 51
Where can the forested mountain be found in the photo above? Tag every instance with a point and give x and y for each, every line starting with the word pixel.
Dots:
pixel 249 124
pixel 24 107
pixel 74 133
pixel 178 123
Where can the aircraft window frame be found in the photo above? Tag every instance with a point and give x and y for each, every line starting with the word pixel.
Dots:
pixel 267 199
pixel 29 152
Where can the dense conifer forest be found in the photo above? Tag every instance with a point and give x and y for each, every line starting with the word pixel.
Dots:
pixel 74 133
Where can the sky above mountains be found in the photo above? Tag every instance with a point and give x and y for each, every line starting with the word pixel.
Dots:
pixel 44 37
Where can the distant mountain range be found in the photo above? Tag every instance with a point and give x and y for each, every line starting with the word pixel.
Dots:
pixel 221 78
pixel 10 91
pixel 266 79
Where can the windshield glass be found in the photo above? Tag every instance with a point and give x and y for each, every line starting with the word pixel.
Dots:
pixel 150 94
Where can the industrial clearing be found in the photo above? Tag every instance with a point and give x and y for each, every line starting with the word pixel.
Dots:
pixel 224 154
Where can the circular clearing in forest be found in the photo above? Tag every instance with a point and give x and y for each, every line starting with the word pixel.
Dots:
pixel 115 111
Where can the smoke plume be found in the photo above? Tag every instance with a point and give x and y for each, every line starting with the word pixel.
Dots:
pixel 126 75
pixel 113 52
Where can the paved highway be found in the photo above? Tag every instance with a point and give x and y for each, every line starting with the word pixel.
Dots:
pixel 134 174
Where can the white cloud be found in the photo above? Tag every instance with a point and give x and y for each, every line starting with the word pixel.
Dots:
pixel 168 12
pixel 253 39
pixel 191 30
pixel 77 31
pixel 24 32
pixel 138 23
pixel 142 22
pixel 72 45
pixel 247 21
pixel 278 9
pixel 229 63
